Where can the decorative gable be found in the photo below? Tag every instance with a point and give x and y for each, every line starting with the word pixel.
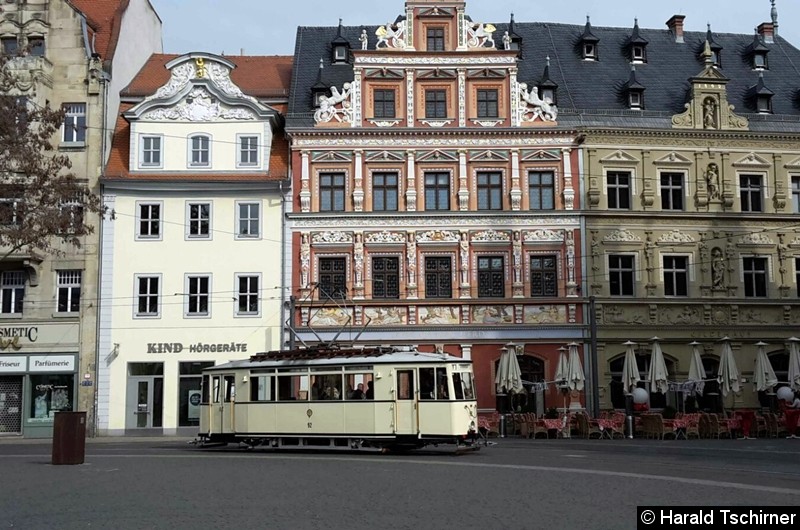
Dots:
pixel 673 159
pixel 438 156
pixel 540 156
pixel 384 156
pixel 752 160
pixel 488 156
pixel 331 156
pixel 619 157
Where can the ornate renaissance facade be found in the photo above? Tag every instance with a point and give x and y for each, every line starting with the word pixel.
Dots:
pixel 436 194
pixel 195 179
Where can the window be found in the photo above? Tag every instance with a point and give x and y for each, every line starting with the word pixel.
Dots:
pixel 764 104
pixel 149 221
pixel 619 190
pixel 9 205
pixel 50 393
pixel 199 220
pixel 147 296
pixel 151 151
pixel 589 51
pixel 435 104
pixel 637 53
pixel 385 277
pixel 754 271
pixel 438 274
pixel 796 194
pixel 437 191
pixel 248 150
pixel 69 291
pixel 435 39
pixel 750 192
pixel 331 192
pixel 12 292
pixel 248 219
pixel 36 46
pixel 760 61
pixel 72 211
pixel 676 278
pixel 74 123
pixel 199 293
pixel 671 191
pixel 10 45
pixel 487 104
pixel 189 392
pixel 636 99
pixel 543 276
pixel 541 190
pixel 332 277
pixel 491 281
pixel 383 102
pixel 490 191
pixel 199 151
pixel 340 54
pixel 384 192
pixel 247 295
pixel 621 275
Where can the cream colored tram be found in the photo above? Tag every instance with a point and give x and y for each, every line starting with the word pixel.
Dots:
pixel 350 398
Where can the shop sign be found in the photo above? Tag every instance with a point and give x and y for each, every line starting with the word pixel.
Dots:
pixel 13 364
pixel 52 363
pixel 193 412
pixel 40 336
pixel 11 337
pixel 200 347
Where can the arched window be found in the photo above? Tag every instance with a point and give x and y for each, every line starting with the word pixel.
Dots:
pixel 532 370
pixel 199 150
pixel 657 399
pixel 710 400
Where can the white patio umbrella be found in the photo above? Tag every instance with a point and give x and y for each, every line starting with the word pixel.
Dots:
pixel 763 374
pixel 562 367
pixel 728 375
pixel 575 375
pixel 794 363
pixel 630 370
pixel 658 376
pixel 697 373
pixel 509 376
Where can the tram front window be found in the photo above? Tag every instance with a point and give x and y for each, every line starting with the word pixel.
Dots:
pixel 433 384
pixel 464 385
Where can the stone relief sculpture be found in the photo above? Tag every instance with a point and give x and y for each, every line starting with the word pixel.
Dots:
pixel 411 257
pixel 328 109
pixel 305 260
pixel 712 180
pixel 479 35
pixel 493 314
pixel 533 107
pixel 392 36
pixel 438 315
pixel 717 268
pixel 358 259
pixel 199 105
pixel 464 251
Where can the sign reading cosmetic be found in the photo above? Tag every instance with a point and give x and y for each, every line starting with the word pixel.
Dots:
pixel 52 363
pixel 40 336
pixel 13 364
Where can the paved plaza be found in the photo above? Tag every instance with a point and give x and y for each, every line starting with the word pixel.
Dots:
pixel 517 483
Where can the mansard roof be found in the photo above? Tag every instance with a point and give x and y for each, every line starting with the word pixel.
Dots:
pixel 592 87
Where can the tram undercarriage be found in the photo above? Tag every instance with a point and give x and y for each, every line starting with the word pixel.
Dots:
pixel 390 443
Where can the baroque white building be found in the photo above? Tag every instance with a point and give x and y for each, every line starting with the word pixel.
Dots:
pixel 191 263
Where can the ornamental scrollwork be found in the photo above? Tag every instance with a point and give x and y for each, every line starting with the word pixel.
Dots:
pixel 337 106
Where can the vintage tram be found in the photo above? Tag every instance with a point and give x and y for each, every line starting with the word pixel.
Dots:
pixel 385 398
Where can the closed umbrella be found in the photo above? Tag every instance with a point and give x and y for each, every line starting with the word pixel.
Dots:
pixel 562 367
pixel 658 375
pixel 575 375
pixel 728 371
pixel 763 374
pixel 794 363
pixel 697 373
pixel 509 376
pixel 630 370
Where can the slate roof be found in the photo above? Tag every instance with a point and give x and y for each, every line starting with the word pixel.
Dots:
pixel 593 87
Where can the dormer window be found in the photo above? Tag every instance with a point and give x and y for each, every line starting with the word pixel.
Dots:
pixel 340 54
pixel 589 43
pixel 764 104
pixel 340 47
pixel 761 96
pixel 716 49
pixel 546 86
pixel 320 88
pixel 547 94
pixel 637 45
pixel 760 61
pixel 514 39
pixel 757 51
pixel 636 100
pixel 435 39
pixel 634 91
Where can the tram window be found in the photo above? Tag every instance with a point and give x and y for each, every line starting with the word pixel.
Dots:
pixel 464 386
pixel 405 384
pixel 327 387
pixel 427 386
pixel 206 388
pixel 442 384
pixel 261 388
pixel 292 387
pixel 230 388
pixel 356 385
pixel 216 380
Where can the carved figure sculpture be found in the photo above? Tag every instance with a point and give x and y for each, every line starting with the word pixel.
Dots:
pixel 712 180
pixel 709 113
pixel 478 35
pixel 717 268
pixel 327 105
pixel 392 36
pixel 506 41
pixel 541 108
pixel 363 39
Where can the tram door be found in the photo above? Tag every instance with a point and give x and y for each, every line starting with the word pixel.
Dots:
pixel 223 396
pixel 406 403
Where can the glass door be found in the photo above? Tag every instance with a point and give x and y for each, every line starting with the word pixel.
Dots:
pixel 145 403
pixel 406 403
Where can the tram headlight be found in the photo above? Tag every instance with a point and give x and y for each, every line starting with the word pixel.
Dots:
pixel 472 426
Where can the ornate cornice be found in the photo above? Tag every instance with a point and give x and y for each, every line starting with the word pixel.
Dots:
pixel 367 223
pixel 439 139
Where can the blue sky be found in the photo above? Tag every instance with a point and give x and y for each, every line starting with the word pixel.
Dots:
pixel 267 27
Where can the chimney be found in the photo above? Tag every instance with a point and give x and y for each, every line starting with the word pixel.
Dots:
pixel 675 25
pixel 767 32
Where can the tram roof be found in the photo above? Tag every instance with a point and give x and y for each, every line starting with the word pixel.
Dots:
pixel 338 357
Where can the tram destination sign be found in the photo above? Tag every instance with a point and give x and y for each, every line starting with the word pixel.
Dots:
pixel 197 347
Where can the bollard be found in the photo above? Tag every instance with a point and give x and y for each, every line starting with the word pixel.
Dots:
pixel 630 426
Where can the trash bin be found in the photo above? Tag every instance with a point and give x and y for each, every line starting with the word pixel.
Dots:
pixel 69 438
